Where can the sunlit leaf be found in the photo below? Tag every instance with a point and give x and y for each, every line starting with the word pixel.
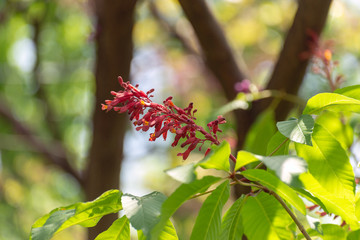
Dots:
pixel 184 173
pixel 273 183
pixel 329 163
pixel 175 200
pixel 143 212
pixel 298 130
pixel 260 133
pixel 334 124
pixel 357 205
pixel 243 158
pixel 336 204
pixel 264 218
pixel 332 102
pixel 286 167
pixel 208 221
pixel 350 91
pixel 52 224
pixel 231 226
pixel 333 232
pixel 86 214
pixel 168 233
pixel 354 235
pixel 119 230
pixel 218 157
pixel 278 145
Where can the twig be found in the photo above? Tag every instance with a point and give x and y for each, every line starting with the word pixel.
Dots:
pixel 283 204
pixel 172 29
pixel 294 218
pixel 216 50
pixel 273 152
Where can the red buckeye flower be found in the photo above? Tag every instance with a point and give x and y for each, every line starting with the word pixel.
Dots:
pixel 163 118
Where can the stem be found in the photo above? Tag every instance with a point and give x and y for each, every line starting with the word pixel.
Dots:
pixel 278 147
pixel 297 222
pixel 233 158
pixel 201 194
pixel 249 184
pixel 273 152
pixel 283 204
pixel 280 95
pixel 207 192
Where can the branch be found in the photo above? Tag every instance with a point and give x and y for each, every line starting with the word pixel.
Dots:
pixel 292 215
pixel 55 156
pixel 290 69
pixel 217 53
pixel 172 29
pixel 281 201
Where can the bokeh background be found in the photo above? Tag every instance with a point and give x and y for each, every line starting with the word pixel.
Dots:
pixel 48 67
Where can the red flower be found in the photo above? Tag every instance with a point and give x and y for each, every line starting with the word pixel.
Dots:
pixel 163 118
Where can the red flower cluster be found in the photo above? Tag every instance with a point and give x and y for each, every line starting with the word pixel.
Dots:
pixel 146 114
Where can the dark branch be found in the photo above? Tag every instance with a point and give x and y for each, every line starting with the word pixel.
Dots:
pixel 217 53
pixel 172 29
pixel 290 68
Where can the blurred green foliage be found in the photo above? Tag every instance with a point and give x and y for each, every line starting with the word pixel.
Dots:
pixel 47 81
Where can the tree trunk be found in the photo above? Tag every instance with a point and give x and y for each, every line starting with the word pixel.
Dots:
pixel 115 20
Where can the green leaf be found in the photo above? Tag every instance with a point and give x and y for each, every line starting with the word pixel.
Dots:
pixel 218 158
pixel 244 158
pixel 208 222
pixel 336 204
pixel 273 183
pixel 184 173
pixel 350 91
pixel 143 212
pixel 298 130
pixel 357 205
pixel 264 218
pixel 329 163
pixel 308 195
pixel 231 226
pixel 278 145
pixel 333 232
pixel 260 133
pixel 52 224
pixel 175 200
pixel 119 230
pixel 168 233
pixel 86 214
pixel 355 235
pixel 333 102
pixel 333 123
pixel 286 167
